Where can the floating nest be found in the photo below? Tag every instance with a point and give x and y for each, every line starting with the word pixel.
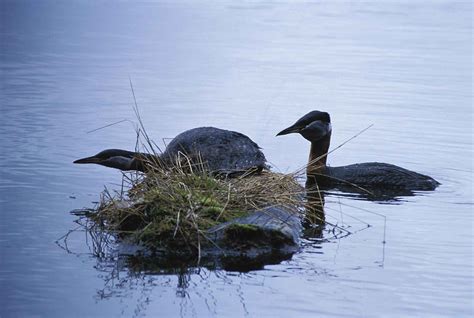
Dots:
pixel 173 208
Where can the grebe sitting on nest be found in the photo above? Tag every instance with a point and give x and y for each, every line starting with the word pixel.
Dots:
pixel 220 151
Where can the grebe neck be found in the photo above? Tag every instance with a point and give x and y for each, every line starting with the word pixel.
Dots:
pixel 318 156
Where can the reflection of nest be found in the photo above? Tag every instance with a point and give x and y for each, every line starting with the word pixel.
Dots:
pixel 136 274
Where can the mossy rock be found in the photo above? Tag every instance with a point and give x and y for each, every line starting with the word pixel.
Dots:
pixel 239 235
pixel 269 228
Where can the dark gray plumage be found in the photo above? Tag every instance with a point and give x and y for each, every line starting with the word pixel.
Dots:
pixel 221 151
pixel 316 128
pixel 371 175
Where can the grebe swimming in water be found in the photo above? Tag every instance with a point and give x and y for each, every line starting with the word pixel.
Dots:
pixel 316 128
pixel 221 152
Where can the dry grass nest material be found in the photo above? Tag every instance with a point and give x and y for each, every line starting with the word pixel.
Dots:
pixel 174 207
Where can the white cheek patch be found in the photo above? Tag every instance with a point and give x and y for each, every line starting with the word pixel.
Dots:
pixel 326 126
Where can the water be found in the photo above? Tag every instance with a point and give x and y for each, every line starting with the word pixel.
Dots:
pixel 254 67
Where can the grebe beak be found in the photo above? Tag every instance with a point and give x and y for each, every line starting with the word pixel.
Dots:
pixel 289 130
pixel 88 160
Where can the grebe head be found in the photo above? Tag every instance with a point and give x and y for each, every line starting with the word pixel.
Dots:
pixel 113 158
pixel 316 128
pixel 313 126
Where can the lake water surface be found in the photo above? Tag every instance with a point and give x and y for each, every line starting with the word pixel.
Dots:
pixel 254 67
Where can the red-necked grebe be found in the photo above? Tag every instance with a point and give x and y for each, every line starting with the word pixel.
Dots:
pixel 316 128
pixel 220 151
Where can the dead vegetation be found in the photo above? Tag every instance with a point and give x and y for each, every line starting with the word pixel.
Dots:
pixel 174 207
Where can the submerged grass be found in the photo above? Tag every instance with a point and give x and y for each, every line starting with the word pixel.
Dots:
pixel 173 207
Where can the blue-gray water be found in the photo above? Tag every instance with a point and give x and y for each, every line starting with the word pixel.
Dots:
pixel 254 67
